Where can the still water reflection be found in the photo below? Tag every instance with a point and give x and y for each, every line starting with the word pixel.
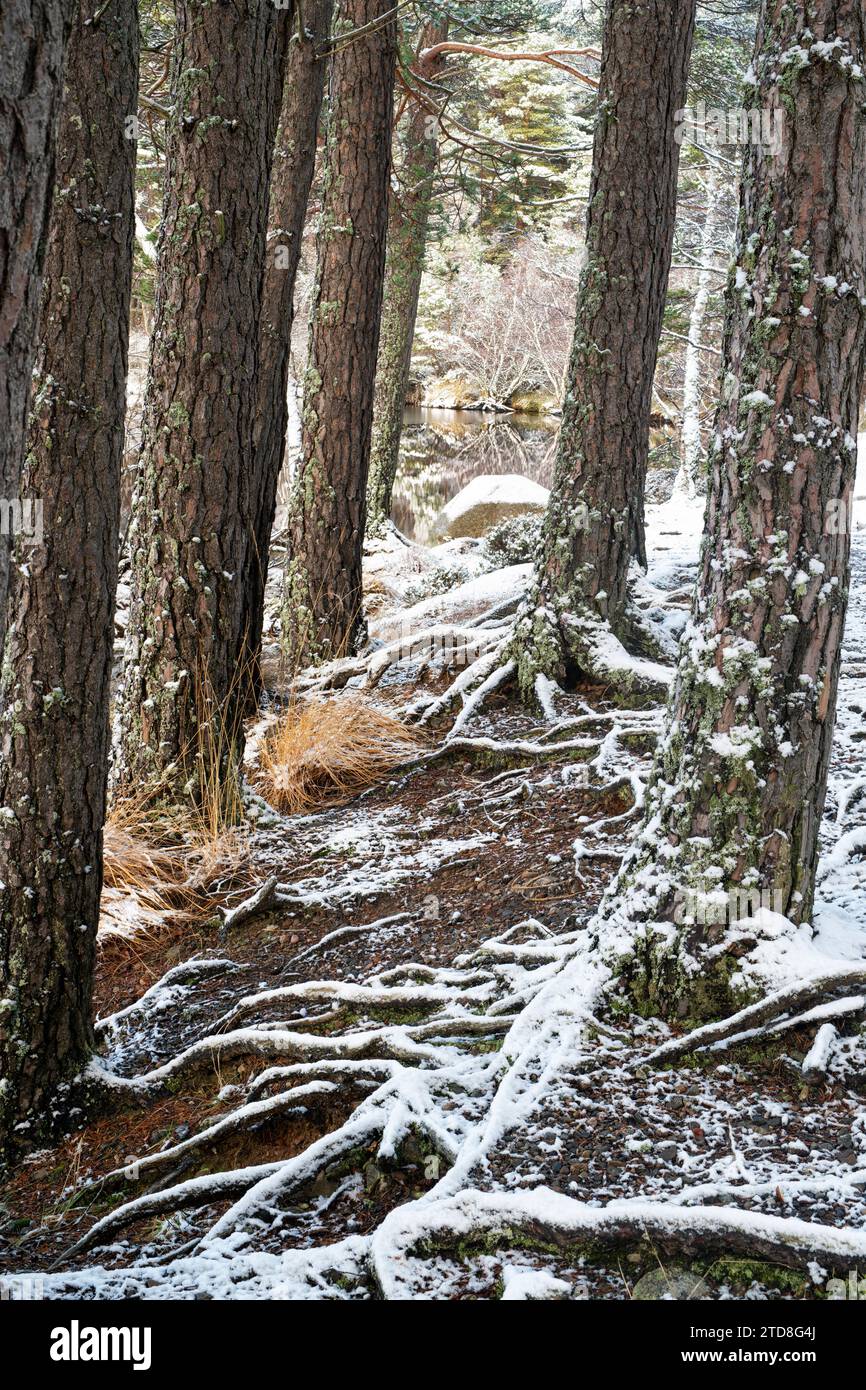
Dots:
pixel 442 450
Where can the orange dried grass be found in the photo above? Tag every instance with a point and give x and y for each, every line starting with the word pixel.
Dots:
pixel 327 751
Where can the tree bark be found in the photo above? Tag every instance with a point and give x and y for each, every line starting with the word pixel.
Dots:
pixel 182 701
pixel 33 38
pixel 739 785
pixel 57 663
pixel 594 521
pixel 408 221
pixel 294 165
pixel 323 600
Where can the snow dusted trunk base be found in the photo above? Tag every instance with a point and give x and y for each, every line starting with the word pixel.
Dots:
pixel 578 645
pixel 594 521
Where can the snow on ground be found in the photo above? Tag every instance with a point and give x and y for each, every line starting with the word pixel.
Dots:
pixel 467 600
pixel 361 853
pixel 735 1143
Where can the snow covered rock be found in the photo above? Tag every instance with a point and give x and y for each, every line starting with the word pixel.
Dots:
pixel 488 499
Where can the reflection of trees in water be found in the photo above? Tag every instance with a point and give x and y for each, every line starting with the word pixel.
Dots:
pixel 443 450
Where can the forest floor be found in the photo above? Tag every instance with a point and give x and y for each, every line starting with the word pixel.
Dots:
pixel 404 897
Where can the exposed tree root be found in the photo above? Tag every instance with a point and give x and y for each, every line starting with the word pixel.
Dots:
pixel 165 989
pixel 197 1192
pixel 259 901
pixel 817 1060
pixel 487 1037
pixel 581 645
pixel 360 996
pixel 498 676
pixel 496 648
pixel 245 1118
pixel 852 1007
pixel 445 641
pixel 547 1219
pixel 759 1016
pixel 540 992
pixel 474 678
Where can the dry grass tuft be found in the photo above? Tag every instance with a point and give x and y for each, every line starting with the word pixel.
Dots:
pixel 171 857
pixel 327 751
pixel 159 863
pixel 135 865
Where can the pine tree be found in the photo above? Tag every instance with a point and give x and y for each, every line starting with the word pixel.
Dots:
pixel 739 784
pixel 60 639
pixel 192 514
pixel 34 38
pixel 323 601
pixel 294 165
pixel 594 521
pixel 408 221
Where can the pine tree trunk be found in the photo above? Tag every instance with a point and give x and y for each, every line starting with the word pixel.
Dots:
pixel 323 600
pixel 60 640
pixel 740 782
pixel 294 165
pixel 408 220
pixel 33 38
pixel 594 521
pixel 192 521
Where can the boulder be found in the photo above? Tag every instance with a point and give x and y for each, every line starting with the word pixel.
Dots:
pixel 533 403
pixel 452 392
pixel 489 499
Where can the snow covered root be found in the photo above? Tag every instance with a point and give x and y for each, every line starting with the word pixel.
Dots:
pixel 402 1245
pixel 495 649
pixel 812 1000
pixel 424 1079
pixel 544 996
pixel 581 644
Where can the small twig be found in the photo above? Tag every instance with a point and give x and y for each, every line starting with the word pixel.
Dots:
pixel 257 902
